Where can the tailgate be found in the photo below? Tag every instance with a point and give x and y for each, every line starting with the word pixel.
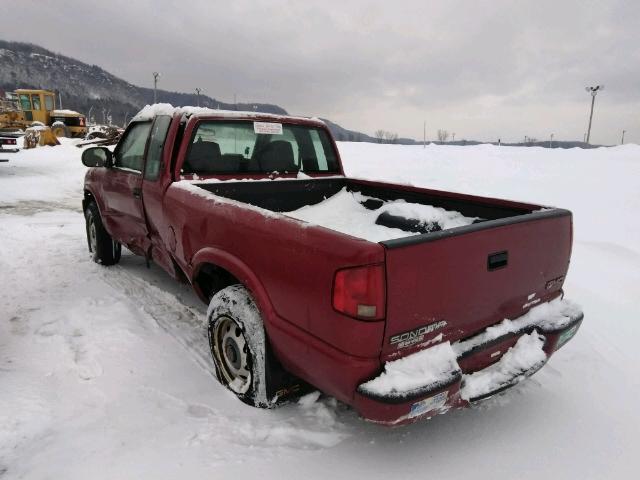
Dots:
pixel 451 284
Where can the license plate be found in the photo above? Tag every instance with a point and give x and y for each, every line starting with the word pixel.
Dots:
pixel 429 404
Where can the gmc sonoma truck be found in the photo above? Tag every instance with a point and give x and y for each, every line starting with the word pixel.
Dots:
pixel 402 302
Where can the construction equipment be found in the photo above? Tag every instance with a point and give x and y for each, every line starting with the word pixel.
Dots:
pixel 23 108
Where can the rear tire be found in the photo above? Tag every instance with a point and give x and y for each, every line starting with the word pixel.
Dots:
pixel 103 248
pixel 239 347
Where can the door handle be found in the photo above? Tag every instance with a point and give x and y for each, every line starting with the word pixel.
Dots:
pixel 137 192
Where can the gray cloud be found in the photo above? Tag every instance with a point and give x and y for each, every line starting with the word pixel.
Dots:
pixel 482 69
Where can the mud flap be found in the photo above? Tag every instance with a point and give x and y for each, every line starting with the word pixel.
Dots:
pixel 282 386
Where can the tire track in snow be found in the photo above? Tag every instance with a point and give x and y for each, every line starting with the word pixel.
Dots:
pixel 309 425
pixel 185 324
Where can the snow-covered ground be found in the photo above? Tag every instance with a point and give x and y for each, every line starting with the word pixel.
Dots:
pixel 105 373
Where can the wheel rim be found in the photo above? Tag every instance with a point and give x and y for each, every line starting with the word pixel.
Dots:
pixel 93 235
pixel 232 354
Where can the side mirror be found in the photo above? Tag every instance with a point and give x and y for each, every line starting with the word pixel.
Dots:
pixel 97 157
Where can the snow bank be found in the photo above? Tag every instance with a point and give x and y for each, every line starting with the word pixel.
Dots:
pixel 345 213
pixel 156 410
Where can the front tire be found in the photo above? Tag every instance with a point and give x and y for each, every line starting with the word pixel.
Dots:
pixel 103 248
pixel 59 129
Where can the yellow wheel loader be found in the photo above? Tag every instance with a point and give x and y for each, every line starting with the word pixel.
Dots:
pixel 25 108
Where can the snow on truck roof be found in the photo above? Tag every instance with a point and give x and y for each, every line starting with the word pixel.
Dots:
pixel 150 111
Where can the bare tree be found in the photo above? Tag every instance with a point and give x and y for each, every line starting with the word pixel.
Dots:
pixel 443 136
pixel 391 137
pixel 379 134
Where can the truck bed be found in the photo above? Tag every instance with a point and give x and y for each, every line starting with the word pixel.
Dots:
pixel 394 215
pixel 449 282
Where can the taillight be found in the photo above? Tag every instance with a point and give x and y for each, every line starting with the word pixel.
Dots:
pixel 360 292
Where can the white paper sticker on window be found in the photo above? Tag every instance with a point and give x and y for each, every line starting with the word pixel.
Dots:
pixel 267 128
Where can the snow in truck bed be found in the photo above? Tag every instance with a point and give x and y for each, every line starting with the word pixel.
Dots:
pixel 345 213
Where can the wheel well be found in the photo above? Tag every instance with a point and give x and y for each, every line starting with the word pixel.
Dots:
pixel 211 279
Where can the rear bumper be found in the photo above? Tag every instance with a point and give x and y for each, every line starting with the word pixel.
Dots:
pixel 485 365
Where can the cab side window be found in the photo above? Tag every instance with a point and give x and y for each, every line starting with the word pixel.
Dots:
pixel 130 152
pixel 25 102
pixel 48 102
pixel 35 99
pixel 156 147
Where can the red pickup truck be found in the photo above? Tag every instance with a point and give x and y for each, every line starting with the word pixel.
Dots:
pixel 402 302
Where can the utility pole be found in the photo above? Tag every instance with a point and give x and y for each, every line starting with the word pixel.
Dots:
pixel 593 91
pixel 551 141
pixel 198 90
pixel 155 87
pixel 453 137
pixel 622 141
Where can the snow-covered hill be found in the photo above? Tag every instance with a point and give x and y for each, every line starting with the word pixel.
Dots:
pixel 105 373
pixel 84 87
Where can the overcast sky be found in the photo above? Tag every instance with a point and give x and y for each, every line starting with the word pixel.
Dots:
pixel 483 69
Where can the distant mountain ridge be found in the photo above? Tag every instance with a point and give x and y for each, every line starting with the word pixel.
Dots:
pixel 95 92
pixel 91 89
pixel 84 86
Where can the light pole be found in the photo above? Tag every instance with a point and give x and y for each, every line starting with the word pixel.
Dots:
pixel 198 90
pixel 453 137
pixel 155 86
pixel 622 142
pixel 593 91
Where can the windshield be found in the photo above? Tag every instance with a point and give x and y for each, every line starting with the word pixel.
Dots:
pixel 259 147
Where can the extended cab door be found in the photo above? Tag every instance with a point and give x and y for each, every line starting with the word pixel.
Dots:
pixel 122 186
pixel 155 182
